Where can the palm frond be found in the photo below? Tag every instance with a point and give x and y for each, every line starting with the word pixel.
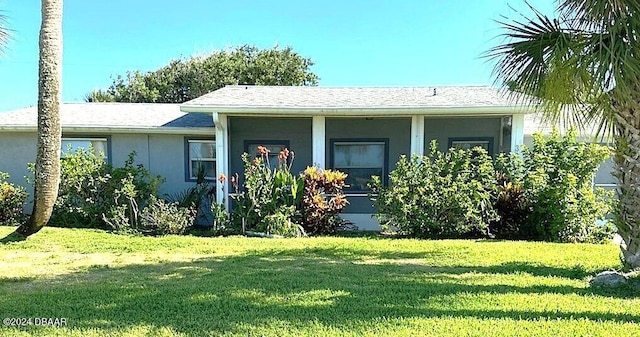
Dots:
pixel 570 72
pixel 4 32
pixel 597 15
pixel 538 59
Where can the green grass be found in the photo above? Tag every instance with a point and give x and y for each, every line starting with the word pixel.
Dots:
pixel 111 285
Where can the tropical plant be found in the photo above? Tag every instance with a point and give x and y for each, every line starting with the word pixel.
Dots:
pixel 4 32
pixel 323 200
pixel 583 68
pixel 47 168
pixel 267 191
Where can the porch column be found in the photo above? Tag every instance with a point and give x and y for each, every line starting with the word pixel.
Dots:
pixel 517 132
pixel 417 135
pixel 222 157
pixel 318 140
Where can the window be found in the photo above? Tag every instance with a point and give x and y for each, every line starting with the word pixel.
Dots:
pixel 73 144
pixel 604 176
pixel 201 159
pixel 469 143
pixel 274 147
pixel 360 159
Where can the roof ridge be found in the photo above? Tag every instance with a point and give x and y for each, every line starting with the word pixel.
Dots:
pixel 360 87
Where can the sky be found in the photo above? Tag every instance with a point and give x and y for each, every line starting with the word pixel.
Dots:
pixel 352 42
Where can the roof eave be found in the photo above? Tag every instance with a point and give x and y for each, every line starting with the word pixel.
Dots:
pixel 359 111
pixel 118 129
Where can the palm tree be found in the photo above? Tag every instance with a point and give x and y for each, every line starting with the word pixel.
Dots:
pixel 4 32
pixel 583 68
pixel 47 170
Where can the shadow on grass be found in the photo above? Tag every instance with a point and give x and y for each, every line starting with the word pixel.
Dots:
pixel 234 294
pixel 12 237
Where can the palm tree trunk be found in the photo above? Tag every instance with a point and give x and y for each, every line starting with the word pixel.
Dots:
pixel 47 169
pixel 627 171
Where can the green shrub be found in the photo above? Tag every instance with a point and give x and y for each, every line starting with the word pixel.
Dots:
pixel 94 194
pixel 441 195
pixel 511 203
pixel 161 217
pixel 12 199
pixel 558 183
pixel 323 200
pixel 280 223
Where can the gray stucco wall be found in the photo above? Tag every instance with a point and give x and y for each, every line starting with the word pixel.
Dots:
pixel 441 129
pixel 295 130
pixel 397 130
pixel 16 150
pixel 162 154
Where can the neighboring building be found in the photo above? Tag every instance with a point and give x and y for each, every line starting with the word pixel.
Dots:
pixel 160 134
pixel 361 131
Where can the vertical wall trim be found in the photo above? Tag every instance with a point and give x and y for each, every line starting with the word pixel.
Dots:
pixel 222 157
pixel 318 139
pixel 517 132
pixel 417 135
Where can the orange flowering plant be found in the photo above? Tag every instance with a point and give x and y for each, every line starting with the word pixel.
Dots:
pixel 275 201
pixel 270 198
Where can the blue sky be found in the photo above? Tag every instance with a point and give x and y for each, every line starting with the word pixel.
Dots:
pixel 352 42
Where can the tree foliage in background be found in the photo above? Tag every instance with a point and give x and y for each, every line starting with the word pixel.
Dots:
pixel 185 79
pixel 584 69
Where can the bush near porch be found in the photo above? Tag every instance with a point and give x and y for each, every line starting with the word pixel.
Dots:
pixel 547 194
pixel 273 200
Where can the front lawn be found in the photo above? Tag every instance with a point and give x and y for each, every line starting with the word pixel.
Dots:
pixel 112 285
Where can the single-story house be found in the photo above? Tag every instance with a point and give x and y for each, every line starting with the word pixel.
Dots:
pixel 361 131
pixel 158 133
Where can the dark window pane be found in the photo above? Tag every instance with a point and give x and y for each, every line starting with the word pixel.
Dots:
pixel 209 168
pixel 358 178
pixel 358 155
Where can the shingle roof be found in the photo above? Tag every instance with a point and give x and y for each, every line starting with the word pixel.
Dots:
pixel 352 97
pixel 112 115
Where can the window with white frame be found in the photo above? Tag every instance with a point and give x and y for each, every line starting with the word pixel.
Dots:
pixel 99 146
pixel 201 159
pixel 469 143
pixel 360 160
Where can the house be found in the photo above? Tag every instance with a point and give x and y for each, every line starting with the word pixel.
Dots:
pixel 361 131
pixel 160 134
